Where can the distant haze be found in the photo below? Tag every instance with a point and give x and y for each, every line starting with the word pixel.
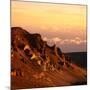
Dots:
pixel 62 24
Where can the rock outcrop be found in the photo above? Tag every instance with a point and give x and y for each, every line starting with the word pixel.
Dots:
pixel 33 59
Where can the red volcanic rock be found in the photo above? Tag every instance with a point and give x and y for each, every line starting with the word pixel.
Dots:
pixel 36 64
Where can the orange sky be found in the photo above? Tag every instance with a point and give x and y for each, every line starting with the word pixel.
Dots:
pixel 50 18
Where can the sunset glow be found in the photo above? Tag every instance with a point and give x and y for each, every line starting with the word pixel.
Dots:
pixel 61 22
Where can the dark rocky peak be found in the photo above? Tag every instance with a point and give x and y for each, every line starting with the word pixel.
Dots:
pixel 17 30
pixel 36 41
pixel 21 39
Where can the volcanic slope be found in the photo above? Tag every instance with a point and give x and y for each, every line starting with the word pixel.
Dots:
pixel 35 64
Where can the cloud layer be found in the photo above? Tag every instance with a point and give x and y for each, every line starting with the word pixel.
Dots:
pixel 56 40
pixel 68 45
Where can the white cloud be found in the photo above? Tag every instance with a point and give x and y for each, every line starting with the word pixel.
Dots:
pixel 45 39
pixel 57 40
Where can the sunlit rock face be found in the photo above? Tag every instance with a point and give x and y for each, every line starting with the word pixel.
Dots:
pixel 36 64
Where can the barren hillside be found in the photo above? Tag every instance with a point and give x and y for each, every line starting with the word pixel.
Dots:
pixel 36 64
